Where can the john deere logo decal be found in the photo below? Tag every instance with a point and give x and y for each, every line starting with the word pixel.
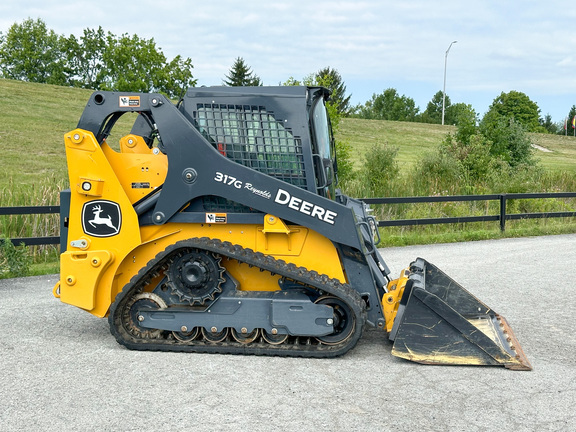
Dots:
pixel 101 218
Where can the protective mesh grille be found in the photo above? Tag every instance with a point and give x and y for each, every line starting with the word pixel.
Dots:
pixel 251 136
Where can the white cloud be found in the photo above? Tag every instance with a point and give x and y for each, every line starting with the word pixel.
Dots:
pixel 375 44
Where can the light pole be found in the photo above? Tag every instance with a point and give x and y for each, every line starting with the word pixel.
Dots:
pixel 444 91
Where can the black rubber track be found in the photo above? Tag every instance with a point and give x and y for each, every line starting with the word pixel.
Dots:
pixel 293 347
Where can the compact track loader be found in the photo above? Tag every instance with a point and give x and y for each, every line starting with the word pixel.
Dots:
pixel 215 226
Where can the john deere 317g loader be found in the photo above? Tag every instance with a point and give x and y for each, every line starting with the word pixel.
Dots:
pixel 215 226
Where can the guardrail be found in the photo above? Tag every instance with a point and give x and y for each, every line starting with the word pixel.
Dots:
pixel 502 217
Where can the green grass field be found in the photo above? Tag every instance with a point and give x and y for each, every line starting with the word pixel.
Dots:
pixel 562 151
pixel 34 118
pixel 411 139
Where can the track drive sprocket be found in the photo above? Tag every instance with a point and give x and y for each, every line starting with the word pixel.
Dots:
pixel 195 276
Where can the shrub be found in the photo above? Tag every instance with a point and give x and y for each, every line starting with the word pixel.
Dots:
pixel 437 174
pixel 14 260
pixel 509 139
pixel 379 170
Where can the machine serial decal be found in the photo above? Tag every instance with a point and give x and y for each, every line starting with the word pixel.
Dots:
pixel 101 218
pixel 284 198
pixel 141 185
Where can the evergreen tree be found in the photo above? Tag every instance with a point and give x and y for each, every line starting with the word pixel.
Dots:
pixel 569 128
pixel 549 125
pixel 331 79
pixel 241 75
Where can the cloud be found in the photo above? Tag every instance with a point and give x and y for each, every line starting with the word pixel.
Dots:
pixel 374 44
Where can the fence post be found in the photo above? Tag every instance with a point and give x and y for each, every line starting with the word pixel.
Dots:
pixel 502 212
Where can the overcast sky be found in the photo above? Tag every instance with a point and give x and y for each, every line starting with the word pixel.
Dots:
pixel 528 46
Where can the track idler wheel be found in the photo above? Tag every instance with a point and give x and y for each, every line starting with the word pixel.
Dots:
pixel 343 320
pixel 132 318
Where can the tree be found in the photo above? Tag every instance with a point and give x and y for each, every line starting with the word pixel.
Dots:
pixel 508 139
pixel 466 122
pixel 132 64
pixel 291 82
pixel 331 79
pixel 460 112
pixel 568 129
pixel 137 65
pixel 86 58
pixel 389 106
pixel 241 75
pixel 177 76
pixel 518 106
pixel 433 112
pixel 549 125
pixel 31 52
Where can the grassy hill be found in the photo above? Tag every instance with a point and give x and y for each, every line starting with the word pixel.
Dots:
pixel 34 118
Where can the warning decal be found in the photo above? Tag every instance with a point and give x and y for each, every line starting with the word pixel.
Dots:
pixel 216 218
pixel 129 101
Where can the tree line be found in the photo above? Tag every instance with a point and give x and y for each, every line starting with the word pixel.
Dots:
pixel 29 51
pixel 389 105
pixel 97 60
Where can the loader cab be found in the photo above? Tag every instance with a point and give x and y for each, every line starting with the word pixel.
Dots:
pixel 283 131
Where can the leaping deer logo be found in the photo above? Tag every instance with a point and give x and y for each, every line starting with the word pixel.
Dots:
pixel 99 220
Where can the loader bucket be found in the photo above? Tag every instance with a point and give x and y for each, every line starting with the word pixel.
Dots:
pixel 439 322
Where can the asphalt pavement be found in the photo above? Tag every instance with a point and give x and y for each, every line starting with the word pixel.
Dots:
pixel 62 370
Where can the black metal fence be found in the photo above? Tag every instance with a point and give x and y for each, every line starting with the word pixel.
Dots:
pixel 502 217
pixel 30 210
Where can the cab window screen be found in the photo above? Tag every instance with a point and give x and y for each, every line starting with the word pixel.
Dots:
pixel 251 136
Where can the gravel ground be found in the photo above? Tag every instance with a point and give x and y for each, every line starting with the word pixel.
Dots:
pixel 62 370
